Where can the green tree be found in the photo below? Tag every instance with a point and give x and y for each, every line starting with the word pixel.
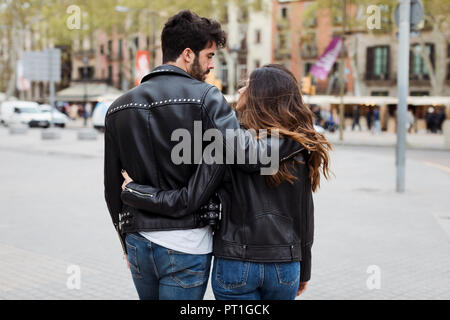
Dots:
pixel 47 22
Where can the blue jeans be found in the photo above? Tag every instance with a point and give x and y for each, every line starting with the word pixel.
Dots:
pixel 242 280
pixel 165 274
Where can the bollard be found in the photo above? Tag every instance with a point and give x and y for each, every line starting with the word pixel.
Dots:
pixel 18 129
pixel 446 132
pixel 51 134
pixel 87 134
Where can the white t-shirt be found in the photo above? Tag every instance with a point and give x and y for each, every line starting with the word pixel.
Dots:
pixel 192 241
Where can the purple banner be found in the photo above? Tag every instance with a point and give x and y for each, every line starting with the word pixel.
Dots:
pixel 323 66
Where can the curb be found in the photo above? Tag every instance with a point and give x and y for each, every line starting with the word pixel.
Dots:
pixel 408 146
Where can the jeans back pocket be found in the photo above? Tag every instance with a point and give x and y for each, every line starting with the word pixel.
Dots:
pixel 288 273
pixel 132 258
pixel 231 274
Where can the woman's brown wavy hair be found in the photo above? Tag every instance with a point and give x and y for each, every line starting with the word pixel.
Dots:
pixel 272 100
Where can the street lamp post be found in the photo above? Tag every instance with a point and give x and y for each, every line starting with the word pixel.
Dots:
pixel 85 77
pixel 342 75
pixel 234 51
pixel 403 90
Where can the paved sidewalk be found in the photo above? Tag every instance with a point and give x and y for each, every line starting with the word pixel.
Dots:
pixel 54 216
pixel 421 141
pixel 69 144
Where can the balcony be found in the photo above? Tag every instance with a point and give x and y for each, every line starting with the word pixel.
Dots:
pixel 283 24
pixel 377 80
pixel 310 23
pixel 308 51
pixel 109 57
pixel 81 53
pixel 282 54
pixel 419 80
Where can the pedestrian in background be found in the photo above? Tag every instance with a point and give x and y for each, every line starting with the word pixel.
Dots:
pixel 410 120
pixel 317 115
pixel 356 116
pixel 369 118
pixel 73 111
pixel 376 121
pixel 441 118
pixel 429 119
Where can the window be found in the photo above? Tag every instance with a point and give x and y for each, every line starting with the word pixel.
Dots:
pixel 110 44
pixel 243 14
pixel 282 41
pixel 120 49
pixel 257 63
pixel 338 13
pixel 419 93
pixel 335 68
pixel 136 42
pixel 381 61
pixel 284 13
pixel 257 36
pixel 417 67
pixel 307 68
pixel 224 73
pixel 377 63
pixel 102 49
pixel 110 74
pixel 379 93
pixel 90 71
pixel 448 71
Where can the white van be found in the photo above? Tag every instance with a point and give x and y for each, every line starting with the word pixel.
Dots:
pixel 99 115
pixel 24 112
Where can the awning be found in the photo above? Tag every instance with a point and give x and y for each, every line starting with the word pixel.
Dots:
pixel 429 101
pixel 94 92
pixel 376 100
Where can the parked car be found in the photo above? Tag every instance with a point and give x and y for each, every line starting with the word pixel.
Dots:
pixel 59 118
pixel 99 114
pixel 25 112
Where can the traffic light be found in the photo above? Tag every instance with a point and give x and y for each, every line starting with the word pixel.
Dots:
pixel 306 84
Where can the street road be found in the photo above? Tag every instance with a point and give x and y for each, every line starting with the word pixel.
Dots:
pixel 55 225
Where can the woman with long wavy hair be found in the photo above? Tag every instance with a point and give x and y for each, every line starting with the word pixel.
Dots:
pixel 262 249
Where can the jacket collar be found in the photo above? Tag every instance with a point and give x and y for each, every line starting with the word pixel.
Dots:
pixel 166 69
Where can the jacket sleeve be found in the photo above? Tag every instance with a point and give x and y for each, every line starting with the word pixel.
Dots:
pixel 177 202
pixel 241 148
pixel 112 182
pixel 305 264
pixel 307 235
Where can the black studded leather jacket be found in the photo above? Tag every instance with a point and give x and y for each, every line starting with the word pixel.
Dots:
pixel 143 128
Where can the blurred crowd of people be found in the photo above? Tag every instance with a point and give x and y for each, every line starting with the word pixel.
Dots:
pixel 329 120
pixel 76 111
pixel 434 120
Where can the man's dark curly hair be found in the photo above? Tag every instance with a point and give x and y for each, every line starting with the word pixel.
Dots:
pixel 187 30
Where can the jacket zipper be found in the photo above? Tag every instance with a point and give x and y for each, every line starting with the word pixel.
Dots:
pixel 139 193
pixel 293 153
